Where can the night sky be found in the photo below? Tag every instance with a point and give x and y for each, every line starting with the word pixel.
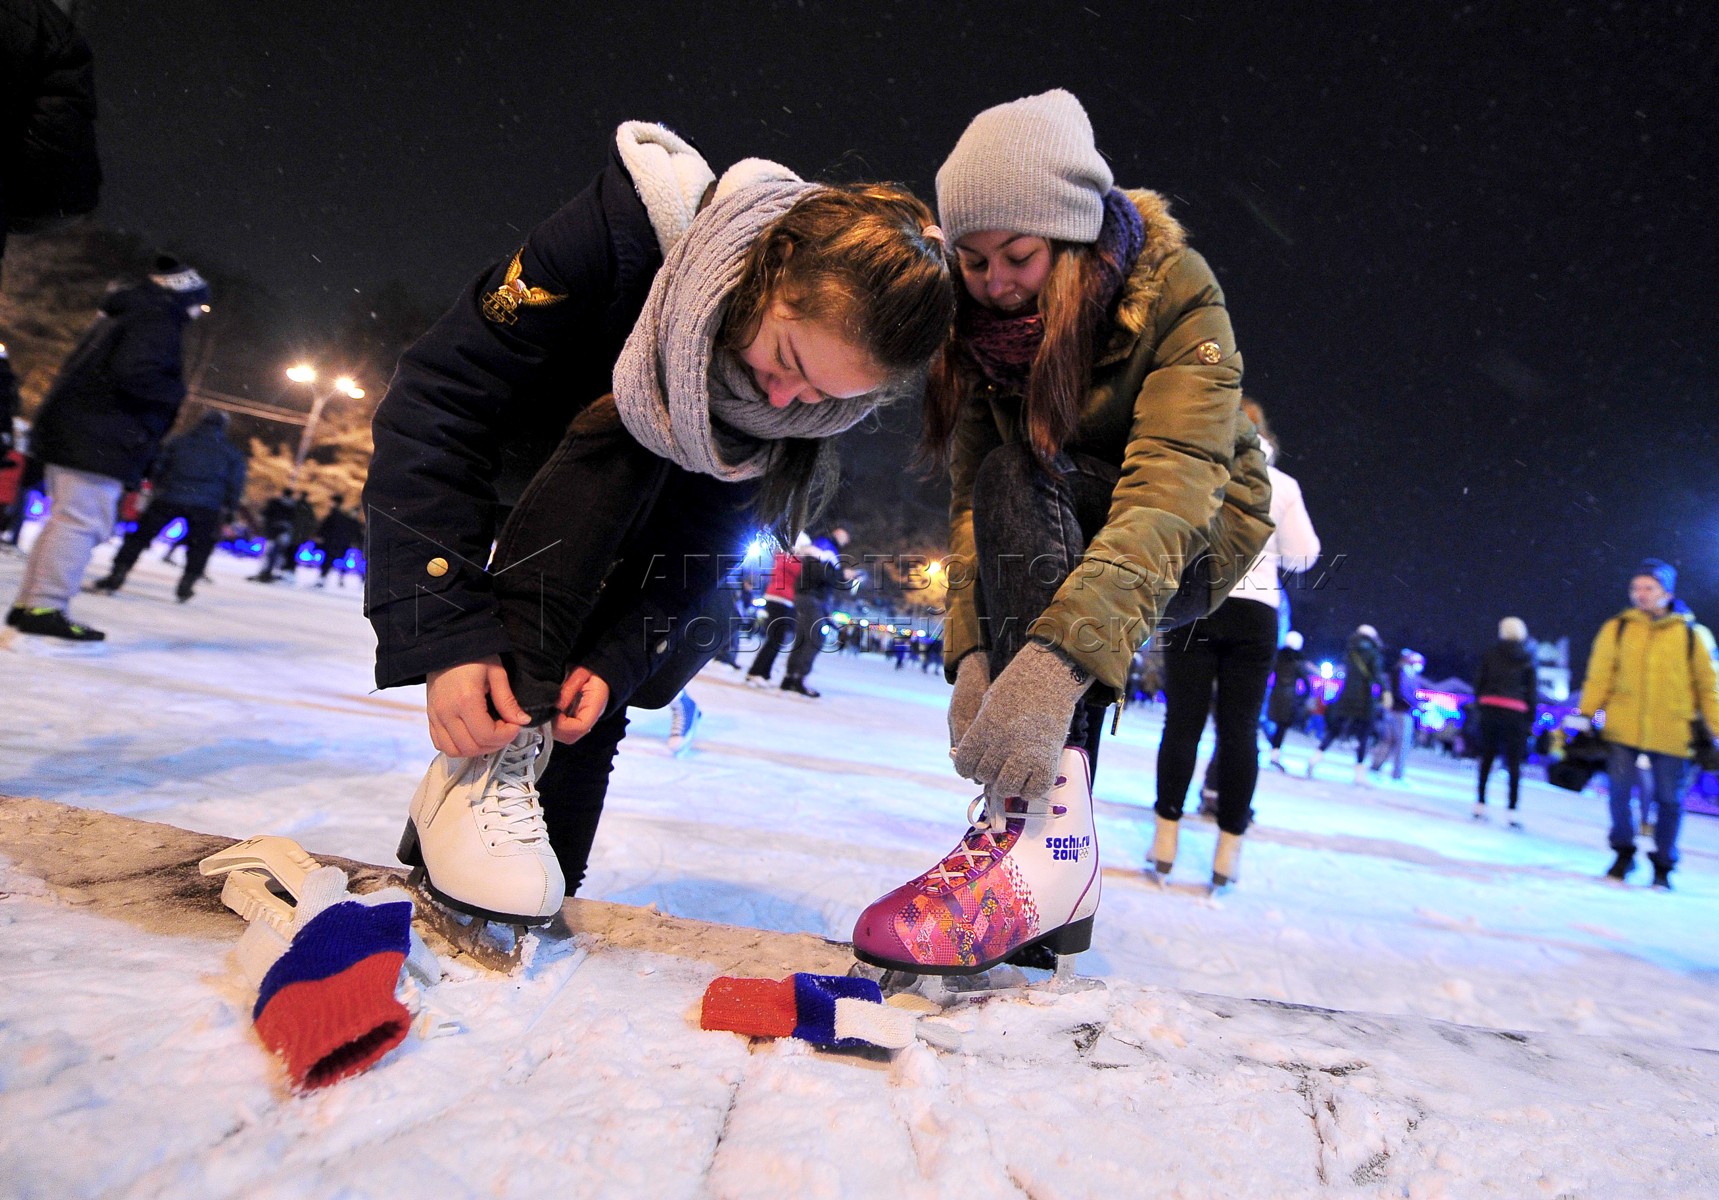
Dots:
pixel 1468 249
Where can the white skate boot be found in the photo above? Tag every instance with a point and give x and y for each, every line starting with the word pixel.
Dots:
pixel 477 831
pixel 1313 762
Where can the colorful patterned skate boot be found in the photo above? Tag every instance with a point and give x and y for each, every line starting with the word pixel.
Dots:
pixel 477 831
pixel 1023 881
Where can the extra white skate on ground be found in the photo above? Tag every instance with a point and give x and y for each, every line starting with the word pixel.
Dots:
pixel 1395 1001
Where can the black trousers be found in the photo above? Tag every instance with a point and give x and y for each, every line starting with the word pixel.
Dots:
pixel 778 629
pixel 1280 729
pixel 331 556
pixel 202 527
pixel 282 555
pixel 1233 649
pixel 1030 530
pixel 1337 725
pixel 1503 734
pixel 811 620
pixel 572 789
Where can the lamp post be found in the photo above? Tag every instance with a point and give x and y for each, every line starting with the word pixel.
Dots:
pixel 343 386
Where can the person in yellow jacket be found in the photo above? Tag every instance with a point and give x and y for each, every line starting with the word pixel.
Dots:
pixel 1651 673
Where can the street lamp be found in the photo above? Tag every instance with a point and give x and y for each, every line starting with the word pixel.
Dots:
pixel 343 386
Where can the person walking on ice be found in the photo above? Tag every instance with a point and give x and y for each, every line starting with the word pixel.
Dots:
pixel 1356 710
pixel 1507 694
pixel 98 431
pixel 1651 674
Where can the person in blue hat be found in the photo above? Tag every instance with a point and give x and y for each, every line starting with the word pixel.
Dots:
pixel 1650 677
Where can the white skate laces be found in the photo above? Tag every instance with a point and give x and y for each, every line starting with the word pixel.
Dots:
pixel 509 811
pixel 988 816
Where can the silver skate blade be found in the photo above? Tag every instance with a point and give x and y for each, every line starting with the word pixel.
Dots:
pixel 946 991
pixel 1064 980
pixel 492 945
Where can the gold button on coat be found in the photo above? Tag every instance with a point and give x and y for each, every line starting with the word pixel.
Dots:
pixel 1210 352
pixel 437 567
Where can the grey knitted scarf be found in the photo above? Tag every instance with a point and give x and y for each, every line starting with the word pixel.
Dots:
pixel 684 399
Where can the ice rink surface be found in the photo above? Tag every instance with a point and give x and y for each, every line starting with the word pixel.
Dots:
pixel 1505 1022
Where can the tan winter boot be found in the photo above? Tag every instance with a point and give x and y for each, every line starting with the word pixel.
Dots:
pixel 1164 845
pixel 1226 863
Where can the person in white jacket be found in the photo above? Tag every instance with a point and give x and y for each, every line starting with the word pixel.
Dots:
pixel 1231 650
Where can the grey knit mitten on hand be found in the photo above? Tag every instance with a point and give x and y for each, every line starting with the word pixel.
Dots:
pixel 972 677
pixel 1014 742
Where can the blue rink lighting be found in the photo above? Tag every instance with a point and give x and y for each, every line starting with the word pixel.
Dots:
pixel 175 530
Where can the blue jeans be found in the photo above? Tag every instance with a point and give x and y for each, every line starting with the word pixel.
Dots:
pixel 1662 787
pixel 1399 735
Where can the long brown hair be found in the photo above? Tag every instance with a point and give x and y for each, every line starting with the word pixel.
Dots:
pixel 1256 414
pixel 1073 302
pixel 856 256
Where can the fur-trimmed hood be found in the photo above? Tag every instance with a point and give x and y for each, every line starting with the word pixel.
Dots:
pixel 1144 286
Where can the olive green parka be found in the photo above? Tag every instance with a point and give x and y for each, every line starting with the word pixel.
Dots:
pixel 1165 408
pixel 1650 675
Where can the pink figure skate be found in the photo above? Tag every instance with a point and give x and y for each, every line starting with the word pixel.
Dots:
pixel 1023 881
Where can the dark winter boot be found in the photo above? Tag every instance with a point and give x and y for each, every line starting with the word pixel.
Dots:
pixel 51 622
pixel 1662 877
pixel 184 591
pixel 109 583
pixel 1622 865
pixel 797 685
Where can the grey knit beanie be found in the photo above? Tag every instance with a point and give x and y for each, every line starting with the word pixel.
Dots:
pixel 1028 166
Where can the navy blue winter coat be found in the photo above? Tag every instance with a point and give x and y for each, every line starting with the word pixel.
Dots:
pixel 477 405
pixel 200 469
pixel 119 392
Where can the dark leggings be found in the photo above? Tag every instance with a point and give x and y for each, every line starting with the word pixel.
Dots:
pixel 1503 733
pixel 202 528
pixel 1029 531
pixel 779 629
pixel 1279 731
pixel 1232 648
pixel 1336 727
pixel 811 621
pixel 572 788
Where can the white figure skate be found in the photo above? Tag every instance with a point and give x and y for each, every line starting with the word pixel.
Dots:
pixel 476 832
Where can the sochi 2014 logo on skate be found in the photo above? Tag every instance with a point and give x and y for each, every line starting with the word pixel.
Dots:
pixel 1069 849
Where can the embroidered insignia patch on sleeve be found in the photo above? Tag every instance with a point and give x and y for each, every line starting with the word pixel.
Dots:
pixel 502 305
pixel 1210 353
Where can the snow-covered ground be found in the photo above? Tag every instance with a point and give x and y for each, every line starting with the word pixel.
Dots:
pixel 126 1065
